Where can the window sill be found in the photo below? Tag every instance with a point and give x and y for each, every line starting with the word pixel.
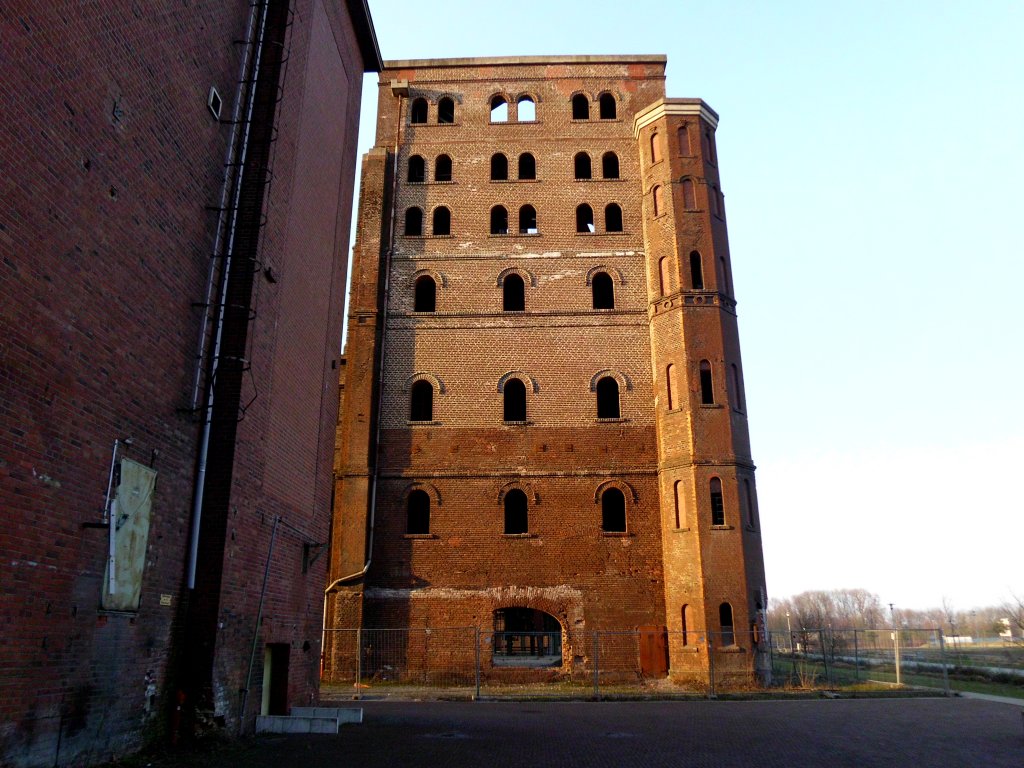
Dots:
pixel 617 534
pixel 602 179
pixel 517 423
pixel 731 649
pixel 593 234
pixel 723 527
pixel 611 419
pixel 433 125
pixel 515 234
pixel 513 181
pixel 420 536
pixel 712 406
pixel 422 423
pixel 428 237
pixel 681 530
pixel 519 536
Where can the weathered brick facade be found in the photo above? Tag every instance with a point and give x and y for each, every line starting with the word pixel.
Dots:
pixel 667 311
pixel 117 190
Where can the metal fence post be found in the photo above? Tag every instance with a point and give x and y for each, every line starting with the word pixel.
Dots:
pixel 856 658
pixel 942 658
pixel 477 633
pixel 359 661
pixel 597 664
pixel 711 668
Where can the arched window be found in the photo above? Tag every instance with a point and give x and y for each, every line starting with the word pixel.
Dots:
pixel 581 165
pixel 418 111
pixel 709 146
pixel 655 148
pixel 748 502
pixel 421 401
pixel 417 170
pixel 696 271
pixel 707 387
pixel 689 195
pixel 607 398
pixel 514 395
pixel 418 513
pixel 584 218
pixel 499 220
pixel 684 141
pixel 723 277
pixel 513 294
pixel 526 110
pixel 607 106
pixel 612 218
pixel 613 511
pixel 413 221
pixel 737 388
pixel 610 165
pixel 442 221
pixel 713 199
pixel 516 512
pixel 499 110
pixel 665 275
pixel 670 386
pixel 425 294
pixel 443 168
pixel 717 502
pixel 602 291
pixel 446 110
pixel 725 620
pixel 685 616
pixel 680 503
pixel 656 200
pixel 499 167
pixel 527 220
pixel 580 107
pixel 527 167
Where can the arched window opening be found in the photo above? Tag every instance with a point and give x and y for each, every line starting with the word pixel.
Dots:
pixel 613 511
pixel 709 146
pixel 612 218
pixel 425 294
pixel 656 201
pixel 524 637
pixel 581 165
pixel 717 502
pixel 526 110
pixel 413 221
pixel 514 393
pixel 725 620
pixel 516 517
pixel 580 107
pixel 442 221
pixel 528 220
pixel 670 386
pixel 418 513
pixel 665 275
pixel 443 168
pixel 684 141
pixel 584 218
pixel 713 199
pixel 499 110
pixel 527 167
pixel 723 277
pixel 705 145
pixel 707 389
pixel 689 195
pixel 737 388
pixel 513 294
pixel 607 106
pixel 499 167
pixel 685 617
pixel 680 503
pixel 418 112
pixel 721 202
pixel 603 291
pixel 608 398
pixel 696 271
pixel 748 503
pixel 655 148
pixel 499 220
pixel 446 110
pixel 610 165
pixel 417 170
pixel 421 401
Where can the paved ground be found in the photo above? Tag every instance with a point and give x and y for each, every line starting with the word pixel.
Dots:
pixel 721 734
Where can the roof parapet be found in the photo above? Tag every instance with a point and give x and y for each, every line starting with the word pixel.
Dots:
pixel 668 107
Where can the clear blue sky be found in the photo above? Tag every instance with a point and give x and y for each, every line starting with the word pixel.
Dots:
pixel 872 157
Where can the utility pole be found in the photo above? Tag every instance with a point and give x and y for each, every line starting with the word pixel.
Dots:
pixel 896 641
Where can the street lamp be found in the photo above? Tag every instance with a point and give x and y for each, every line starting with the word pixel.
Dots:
pixel 896 641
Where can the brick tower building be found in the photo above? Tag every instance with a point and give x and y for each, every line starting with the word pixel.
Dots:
pixel 543 424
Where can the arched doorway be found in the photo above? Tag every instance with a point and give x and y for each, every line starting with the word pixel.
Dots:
pixel 524 637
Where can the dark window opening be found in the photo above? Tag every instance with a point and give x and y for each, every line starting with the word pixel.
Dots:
pixel 713 199
pixel 608 398
pixel 499 167
pixel 707 390
pixel 581 165
pixel 443 168
pixel 696 271
pixel 684 142
pixel 709 140
pixel 725 620
pixel 516 519
pixel 417 170
pixel 603 291
pixel 680 508
pixel 421 402
pixel 748 502
pixel 499 220
pixel 584 218
pixel 656 200
pixel 737 388
pixel 580 107
pixel 513 294
pixel 442 221
pixel 670 385
pixel 527 167
pixel 612 218
pixel 418 513
pixel 528 220
pixel 425 294
pixel 499 110
pixel 414 221
pixel 610 165
pixel 613 511
pixel 526 110
pixel 717 502
pixel 418 113
pixel 524 637
pixel 514 393
pixel 689 195
pixel 446 111
pixel 607 106
pixel 685 622
pixel 724 285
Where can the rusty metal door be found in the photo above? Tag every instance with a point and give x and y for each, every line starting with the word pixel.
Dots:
pixel 653 651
